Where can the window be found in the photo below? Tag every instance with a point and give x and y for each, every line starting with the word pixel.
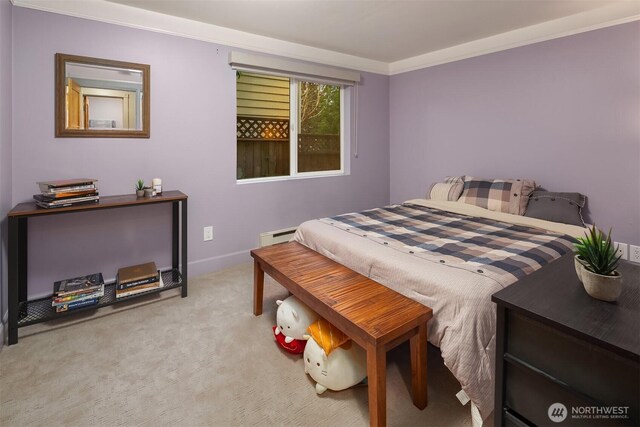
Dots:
pixel 273 111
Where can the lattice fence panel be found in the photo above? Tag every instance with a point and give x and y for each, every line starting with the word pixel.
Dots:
pixel 258 128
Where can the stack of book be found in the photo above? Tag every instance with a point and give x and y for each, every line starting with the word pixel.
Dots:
pixel 137 279
pixel 68 192
pixel 78 292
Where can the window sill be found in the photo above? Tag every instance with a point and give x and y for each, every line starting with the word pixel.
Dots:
pixel 291 178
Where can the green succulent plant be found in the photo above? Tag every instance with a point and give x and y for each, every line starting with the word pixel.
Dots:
pixel 597 252
pixel 140 185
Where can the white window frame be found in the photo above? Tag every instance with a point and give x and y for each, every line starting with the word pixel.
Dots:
pixel 293 136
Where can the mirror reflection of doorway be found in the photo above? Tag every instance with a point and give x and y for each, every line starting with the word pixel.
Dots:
pixel 74 105
pixel 94 108
pixel 104 112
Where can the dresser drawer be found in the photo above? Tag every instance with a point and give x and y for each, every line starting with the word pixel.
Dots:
pixel 530 395
pixel 600 374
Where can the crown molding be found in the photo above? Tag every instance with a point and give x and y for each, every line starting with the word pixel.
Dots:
pixel 617 13
pixel 119 14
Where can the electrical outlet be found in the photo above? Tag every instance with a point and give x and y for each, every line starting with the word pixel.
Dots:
pixel 634 253
pixel 208 233
pixel 622 250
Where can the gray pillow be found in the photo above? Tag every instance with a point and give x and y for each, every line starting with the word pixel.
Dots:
pixel 557 207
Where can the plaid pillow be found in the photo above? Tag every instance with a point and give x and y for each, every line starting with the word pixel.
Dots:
pixel 449 190
pixel 501 195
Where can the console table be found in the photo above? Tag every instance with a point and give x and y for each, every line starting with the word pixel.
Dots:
pixel 561 353
pixel 23 312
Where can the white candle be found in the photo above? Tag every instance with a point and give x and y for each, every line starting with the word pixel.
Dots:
pixel 157 185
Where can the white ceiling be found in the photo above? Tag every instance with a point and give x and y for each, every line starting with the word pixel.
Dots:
pixel 382 30
pixel 380 36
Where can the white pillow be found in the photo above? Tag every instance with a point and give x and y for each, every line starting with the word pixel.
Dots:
pixel 449 190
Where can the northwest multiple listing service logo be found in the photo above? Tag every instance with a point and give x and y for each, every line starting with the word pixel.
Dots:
pixel 557 412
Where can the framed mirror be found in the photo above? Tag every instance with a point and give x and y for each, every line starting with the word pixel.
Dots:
pixel 101 98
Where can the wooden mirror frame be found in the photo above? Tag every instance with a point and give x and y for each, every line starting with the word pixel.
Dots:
pixel 60 99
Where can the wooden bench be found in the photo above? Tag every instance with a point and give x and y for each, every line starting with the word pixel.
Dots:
pixel 374 316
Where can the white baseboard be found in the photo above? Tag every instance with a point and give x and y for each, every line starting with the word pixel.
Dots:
pixel 208 265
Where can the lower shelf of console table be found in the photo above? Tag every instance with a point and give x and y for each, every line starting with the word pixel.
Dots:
pixel 40 310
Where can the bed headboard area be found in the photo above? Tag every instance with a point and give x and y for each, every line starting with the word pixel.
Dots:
pixel 519 196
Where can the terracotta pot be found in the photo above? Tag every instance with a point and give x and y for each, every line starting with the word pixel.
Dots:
pixel 605 288
pixel 139 193
pixel 579 264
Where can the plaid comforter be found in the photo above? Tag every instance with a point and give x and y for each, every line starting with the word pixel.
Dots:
pixel 501 251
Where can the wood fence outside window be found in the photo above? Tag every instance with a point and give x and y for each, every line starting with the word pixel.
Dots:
pixel 263 149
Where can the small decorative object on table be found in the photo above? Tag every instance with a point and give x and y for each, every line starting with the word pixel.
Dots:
pixel 148 192
pixel 140 188
pixel 596 261
pixel 157 185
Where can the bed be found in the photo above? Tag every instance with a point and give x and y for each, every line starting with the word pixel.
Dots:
pixel 452 257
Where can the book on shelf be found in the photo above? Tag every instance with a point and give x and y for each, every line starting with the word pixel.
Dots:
pixel 66 183
pixel 122 286
pixel 74 189
pixel 136 273
pixel 78 297
pixel 76 304
pixel 59 195
pixel 121 293
pixel 65 200
pixel 78 285
pixel 66 205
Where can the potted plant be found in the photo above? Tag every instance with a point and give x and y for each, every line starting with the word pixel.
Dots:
pixel 596 263
pixel 140 188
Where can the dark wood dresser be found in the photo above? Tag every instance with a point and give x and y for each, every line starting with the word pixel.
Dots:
pixel 556 344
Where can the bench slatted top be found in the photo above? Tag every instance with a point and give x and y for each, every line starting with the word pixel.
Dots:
pixel 365 310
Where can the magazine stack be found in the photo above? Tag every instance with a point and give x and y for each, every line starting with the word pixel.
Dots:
pixel 79 292
pixel 68 192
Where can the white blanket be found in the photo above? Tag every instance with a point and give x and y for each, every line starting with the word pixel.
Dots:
pixel 464 321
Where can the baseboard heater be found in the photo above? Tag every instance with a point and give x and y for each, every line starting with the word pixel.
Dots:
pixel 278 236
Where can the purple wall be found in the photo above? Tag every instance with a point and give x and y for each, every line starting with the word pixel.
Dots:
pixel 192 148
pixel 563 112
pixel 5 144
pixel 553 111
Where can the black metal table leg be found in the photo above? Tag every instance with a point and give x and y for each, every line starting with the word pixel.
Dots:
pixel 175 233
pixel 22 264
pixel 13 280
pixel 184 247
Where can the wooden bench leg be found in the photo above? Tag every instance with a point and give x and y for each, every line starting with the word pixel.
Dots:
pixel 258 288
pixel 418 344
pixel 377 373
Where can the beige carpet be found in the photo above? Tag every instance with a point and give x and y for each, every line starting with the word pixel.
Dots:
pixel 202 360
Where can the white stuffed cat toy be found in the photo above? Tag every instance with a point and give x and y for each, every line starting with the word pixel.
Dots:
pixel 293 318
pixel 343 368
